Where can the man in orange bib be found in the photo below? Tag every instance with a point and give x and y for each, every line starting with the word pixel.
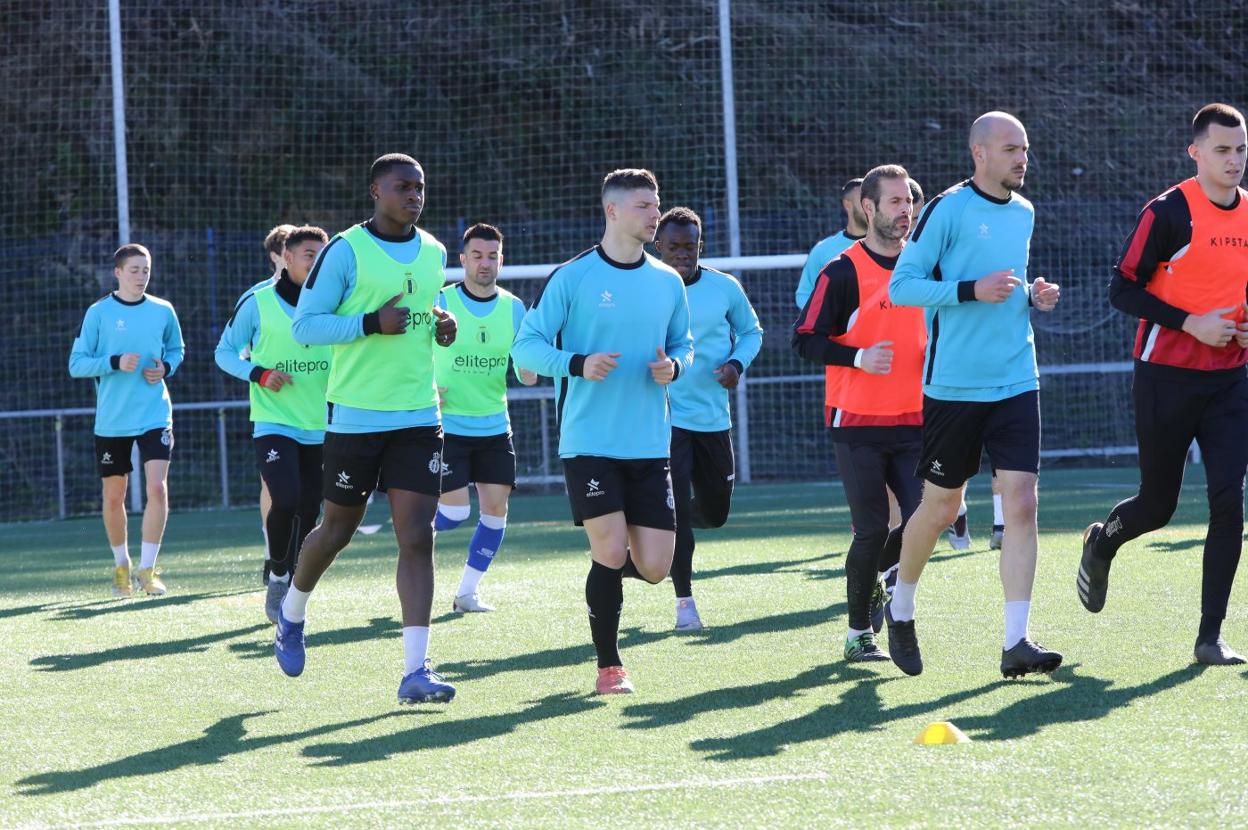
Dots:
pixel 1184 273
pixel 873 404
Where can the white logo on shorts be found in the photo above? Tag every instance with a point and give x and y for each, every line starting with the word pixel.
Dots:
pixel 344 480
pixel 107 458
pixel 936 470
pixel 271 457
pixel 166 437
pixel 671 499
pixel 595 489
pixel 435 464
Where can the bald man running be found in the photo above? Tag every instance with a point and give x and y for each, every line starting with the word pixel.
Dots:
pixel 966 263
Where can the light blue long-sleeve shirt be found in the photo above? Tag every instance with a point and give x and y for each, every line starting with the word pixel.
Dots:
pixel 240 333
pixel 317 323
pixel 976 351
pixel 825 250
pixel 592 304
pixel 126 404
pixel 724 327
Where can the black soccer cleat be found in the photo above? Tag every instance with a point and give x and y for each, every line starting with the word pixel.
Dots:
pixel 1027 657
pixel 903 644
pixel 1092 581
pixel 1217 653
pixel 878 597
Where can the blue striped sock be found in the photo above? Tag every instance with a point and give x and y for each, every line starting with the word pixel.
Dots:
pixel 486 541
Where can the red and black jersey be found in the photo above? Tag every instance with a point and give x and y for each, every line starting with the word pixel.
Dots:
pixel 1186 255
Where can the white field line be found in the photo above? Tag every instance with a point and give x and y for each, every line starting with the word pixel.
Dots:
pixel 535 795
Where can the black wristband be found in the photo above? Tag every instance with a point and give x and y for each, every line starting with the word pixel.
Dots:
pixel 737 364
pixel 256 373
pixel 966 291
pixel 168 368
pixel 372 323
pixel 675 368
pixel 115 362
pixel 577 367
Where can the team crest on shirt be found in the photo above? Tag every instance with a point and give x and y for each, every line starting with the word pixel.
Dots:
pixel 483 335
pixel 606 300
pixel 435 464
pixel 983 231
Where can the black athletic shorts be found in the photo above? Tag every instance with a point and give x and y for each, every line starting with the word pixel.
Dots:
pixel 703 472
pixel 112 454
pixel 640 487
pixel 400 459
pixel 955 434
pixel 484 459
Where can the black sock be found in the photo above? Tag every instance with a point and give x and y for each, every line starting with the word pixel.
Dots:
pixel 282 526
pixel 890 554
pixel 1210 629
pixel 604 594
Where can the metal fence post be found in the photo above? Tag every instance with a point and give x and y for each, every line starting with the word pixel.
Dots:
pixel 224 453
pixel 60 466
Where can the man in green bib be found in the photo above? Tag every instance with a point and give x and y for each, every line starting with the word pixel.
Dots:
pixel 287 386
pixel 472 385
pixel 371 297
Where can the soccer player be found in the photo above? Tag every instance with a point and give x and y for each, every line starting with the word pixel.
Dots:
pixel 613 325
pixel 874 351
pixel 130 342
pixel 275 245
pixel 1184 272
pixel 383 413
pixel 727 336
pixel 472 384
pixel 966 263
pixel 287 388
pixel 829 248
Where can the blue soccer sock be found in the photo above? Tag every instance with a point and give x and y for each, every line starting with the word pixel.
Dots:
pixel 450 516
pixel 484 546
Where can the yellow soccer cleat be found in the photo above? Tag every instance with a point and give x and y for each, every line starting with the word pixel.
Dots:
pixel 121 581
pixel 150 582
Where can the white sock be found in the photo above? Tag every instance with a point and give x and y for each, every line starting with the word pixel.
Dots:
pixel 284 578
pixel 901 606
pixel 121 556
pixel 962 509
pixel 854 633
pixel 415 647
pixel 1016 614
pixel 998 515
pixel 147 559
pixel 493 522
pixel 469 581
pixel 295 606
pixel 679 600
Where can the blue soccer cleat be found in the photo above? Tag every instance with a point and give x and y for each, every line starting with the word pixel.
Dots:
pixel 288 646
pixel 425 686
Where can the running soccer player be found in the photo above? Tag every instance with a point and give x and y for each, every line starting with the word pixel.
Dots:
pixel 383 413
pixel 130 342
pixel 274 246
pixel 727 336
pixel 1184 272
pixel 286 382
pixel 613 325
pixel 874 352
pixel 829 248
pixel 472 385
pixel 966 263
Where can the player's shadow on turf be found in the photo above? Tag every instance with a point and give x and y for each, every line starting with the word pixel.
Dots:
pixel 223 739
pixel 1078 698
pixel 141 603
pixel 140 651
pixel 762 568
pixel 378 628
pixel 859 709
pixel 58 606
pixel 446 734
pixel 1177 545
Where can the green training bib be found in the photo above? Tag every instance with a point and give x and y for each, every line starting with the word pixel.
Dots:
pixel 473 369
pixel 302 404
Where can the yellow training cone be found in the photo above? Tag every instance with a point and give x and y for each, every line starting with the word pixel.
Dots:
pixel 942 732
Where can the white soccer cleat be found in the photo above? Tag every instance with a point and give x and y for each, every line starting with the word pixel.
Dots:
pixel 470 603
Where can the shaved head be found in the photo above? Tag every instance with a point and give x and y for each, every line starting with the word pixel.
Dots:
pixel 988 125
